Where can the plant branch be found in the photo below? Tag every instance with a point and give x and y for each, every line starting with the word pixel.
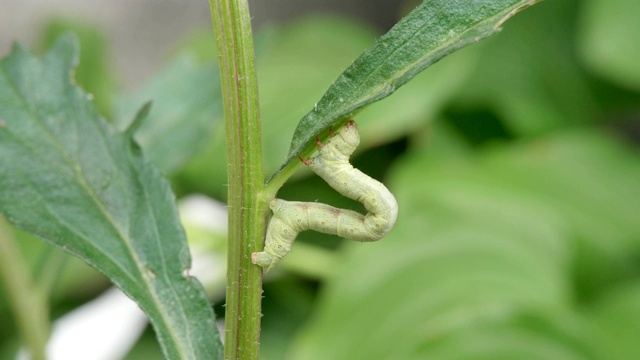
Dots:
pixel 232 25
pixel 277 180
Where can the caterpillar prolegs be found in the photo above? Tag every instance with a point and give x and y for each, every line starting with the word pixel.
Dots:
pixel 332 164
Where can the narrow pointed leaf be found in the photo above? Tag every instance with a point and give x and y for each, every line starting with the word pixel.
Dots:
pixel 68 177
pixel 431 31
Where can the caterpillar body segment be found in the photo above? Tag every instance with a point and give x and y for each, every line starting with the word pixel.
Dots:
pixel 331 164
pixel 291 218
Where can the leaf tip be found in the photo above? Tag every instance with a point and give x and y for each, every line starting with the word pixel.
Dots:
pixel 141 115
pixel 66 47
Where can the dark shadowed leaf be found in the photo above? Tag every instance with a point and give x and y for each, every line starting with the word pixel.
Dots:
pixel 529 79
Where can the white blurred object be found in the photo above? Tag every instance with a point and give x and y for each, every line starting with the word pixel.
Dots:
pixel 209 252
pixel 103 329
pixel 205 212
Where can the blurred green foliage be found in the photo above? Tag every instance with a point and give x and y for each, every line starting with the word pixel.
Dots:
pixel 518 235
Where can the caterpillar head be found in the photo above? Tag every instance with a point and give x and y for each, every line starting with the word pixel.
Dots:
pixel 263 259
pixel 349 134
pixel 275 246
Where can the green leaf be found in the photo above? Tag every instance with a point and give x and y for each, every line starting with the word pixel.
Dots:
pixel 302 58
pixel 69 178
pixel 616 315
pixel 523 336
pixel 580 174
pixel 433 30
pixel 297 65
pixel 609 34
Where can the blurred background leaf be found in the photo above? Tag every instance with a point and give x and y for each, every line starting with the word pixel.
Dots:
pixel 608 34
pixel 616 317
pixel 527 76
pixel 487 246
pixel 186 111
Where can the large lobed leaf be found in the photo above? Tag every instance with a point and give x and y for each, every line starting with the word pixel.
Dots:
pixel 430 32
pixel 72 180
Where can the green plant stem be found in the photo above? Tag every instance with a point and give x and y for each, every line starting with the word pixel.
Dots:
pixel 27 303
pixel 232 26
pixel 50 269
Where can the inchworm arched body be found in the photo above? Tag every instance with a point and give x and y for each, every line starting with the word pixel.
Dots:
pixel 332 164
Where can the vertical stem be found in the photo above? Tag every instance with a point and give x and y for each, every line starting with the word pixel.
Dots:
pixel 27 303
pixel 232 25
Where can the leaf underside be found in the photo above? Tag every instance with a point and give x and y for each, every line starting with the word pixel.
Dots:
pixel 430 32
pixel 71 179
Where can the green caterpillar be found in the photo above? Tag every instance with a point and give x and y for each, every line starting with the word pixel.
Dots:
pixel 332 164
